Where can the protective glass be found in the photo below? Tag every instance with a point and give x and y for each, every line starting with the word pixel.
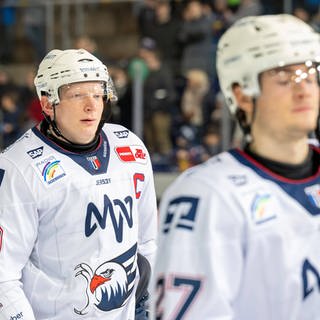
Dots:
pixel 81 91
pixel 290 75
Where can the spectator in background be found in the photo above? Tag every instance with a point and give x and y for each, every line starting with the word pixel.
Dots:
pixel 88 43
pixel 145 12
pixel 196 101
pixel 122 108
pixel 158 101
pixel 27 90
pixel 164 31
pixel 27 100
pixel 35 27
pixel 187 154
pixel 305 15
pixel 30 104
pixel 221 19
pixel 312 5
pixel 7 23
pixel 11 114
pixel 183 142
pixel 247 8
pixel 6 83
pixel 195 37
pixel 210 144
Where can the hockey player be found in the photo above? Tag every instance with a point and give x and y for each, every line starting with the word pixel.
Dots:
pixel 77 203
pixel 239 234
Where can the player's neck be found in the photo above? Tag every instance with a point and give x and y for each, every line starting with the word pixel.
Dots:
pixel 294 152
pixel 73 147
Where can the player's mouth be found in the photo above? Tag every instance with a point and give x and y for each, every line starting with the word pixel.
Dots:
pixel 88 121
pixel 302 109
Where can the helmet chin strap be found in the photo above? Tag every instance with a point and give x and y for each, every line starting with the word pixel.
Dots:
pixel 106 114
pixel 317 131
pixel 53 125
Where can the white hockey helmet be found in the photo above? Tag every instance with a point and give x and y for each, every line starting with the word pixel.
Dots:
pixel 259 43
pixel 62 67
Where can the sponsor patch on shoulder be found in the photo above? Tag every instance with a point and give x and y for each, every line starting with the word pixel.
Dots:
pixel 50 169
pixel 35 153
pixel 132 154
pixel 262 209
pixel 121 134
pixel 313 193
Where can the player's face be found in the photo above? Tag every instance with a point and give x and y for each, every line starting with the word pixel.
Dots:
pixel 79 112
pixel 289 102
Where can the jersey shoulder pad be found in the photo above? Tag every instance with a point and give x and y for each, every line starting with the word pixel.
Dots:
pixel 24 149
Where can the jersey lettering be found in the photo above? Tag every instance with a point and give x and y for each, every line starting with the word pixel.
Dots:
pixel 188 288
pixel 137 177
pixel 308 288
pixel 181 213
pixel 110 207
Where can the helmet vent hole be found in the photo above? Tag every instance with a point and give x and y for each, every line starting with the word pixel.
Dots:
pixel 85 75
pixel 257 28
pixel 85 60
pixel 97 75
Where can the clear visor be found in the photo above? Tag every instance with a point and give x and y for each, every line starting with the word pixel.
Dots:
pixel 82 90
pixel 296 74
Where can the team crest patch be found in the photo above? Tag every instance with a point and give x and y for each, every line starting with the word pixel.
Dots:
pixel 95 162
pixel 132 154
pixel 261 210
pixel 50 169
pixel 313 194
pixel 110 284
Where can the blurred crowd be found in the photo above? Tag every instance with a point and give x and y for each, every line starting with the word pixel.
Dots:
pixel 182 103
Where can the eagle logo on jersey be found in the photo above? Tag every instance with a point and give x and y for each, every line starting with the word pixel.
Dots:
pixel 110 285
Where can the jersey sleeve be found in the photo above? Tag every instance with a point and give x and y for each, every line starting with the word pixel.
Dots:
pixel 18 228
pixel 200 253
pixel 147 210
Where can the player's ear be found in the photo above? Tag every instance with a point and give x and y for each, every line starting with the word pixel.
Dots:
pixel 46 106
pixel 244 102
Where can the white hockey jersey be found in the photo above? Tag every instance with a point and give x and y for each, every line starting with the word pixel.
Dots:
pixel 71 226
pixel 238 242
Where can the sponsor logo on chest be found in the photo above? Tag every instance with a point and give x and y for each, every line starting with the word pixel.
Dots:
pixel 132 154
pixel 50 169
pixel 35 153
